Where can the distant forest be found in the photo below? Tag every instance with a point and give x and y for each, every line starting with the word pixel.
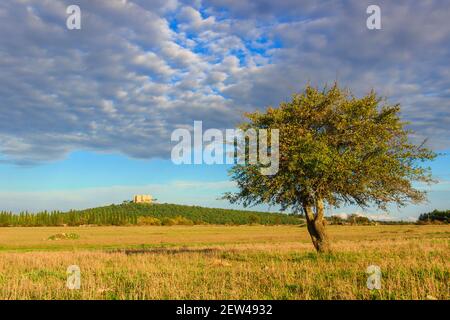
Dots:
pixel 173 214
pixel 435 216
pixel 146 214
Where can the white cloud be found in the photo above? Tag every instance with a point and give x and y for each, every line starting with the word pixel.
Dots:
pixel 371 216
pixel 134 72
pixel 194 19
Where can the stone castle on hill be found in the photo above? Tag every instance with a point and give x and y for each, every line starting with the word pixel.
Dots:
pixel 143 198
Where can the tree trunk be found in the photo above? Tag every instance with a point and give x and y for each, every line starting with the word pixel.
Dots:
pixel 316 226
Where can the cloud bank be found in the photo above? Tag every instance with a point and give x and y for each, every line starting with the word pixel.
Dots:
pixel 139 69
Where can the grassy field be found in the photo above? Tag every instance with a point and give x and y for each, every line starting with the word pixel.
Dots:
pixel 224 262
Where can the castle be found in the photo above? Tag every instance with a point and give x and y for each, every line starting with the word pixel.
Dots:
pixel 143 198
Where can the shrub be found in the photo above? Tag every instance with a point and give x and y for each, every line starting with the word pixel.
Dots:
pixel 168 222
pixel 148 221
pixel 180 220
pixel 253 219
pixel 277 221
pixel 336 220
pixel 177 220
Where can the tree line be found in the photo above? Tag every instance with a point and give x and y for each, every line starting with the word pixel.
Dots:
pixel 70 218
pixel 435 216
pixel 135 214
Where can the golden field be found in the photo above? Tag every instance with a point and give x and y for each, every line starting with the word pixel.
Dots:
pixel 225 262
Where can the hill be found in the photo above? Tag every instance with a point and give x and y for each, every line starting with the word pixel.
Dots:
pixel 146 214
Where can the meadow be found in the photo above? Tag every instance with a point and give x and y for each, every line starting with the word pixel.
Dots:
pixel 224 262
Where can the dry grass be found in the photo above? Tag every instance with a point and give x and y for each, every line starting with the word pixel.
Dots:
pixel 219 262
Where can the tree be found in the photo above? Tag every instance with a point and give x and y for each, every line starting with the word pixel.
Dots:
pixel 334 149
pixel 435 216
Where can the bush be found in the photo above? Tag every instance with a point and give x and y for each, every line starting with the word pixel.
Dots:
pixel 148 221
pixel 180 220
pixel 253 219
pixel 168 222
pixel 277 221
pixel 336 220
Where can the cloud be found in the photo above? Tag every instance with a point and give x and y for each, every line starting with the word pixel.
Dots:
pixel 371 216
pixel 139 69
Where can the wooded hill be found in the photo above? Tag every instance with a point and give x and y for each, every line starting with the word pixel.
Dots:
pixel 146 214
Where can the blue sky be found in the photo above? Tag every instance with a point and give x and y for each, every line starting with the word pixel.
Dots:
pixel 86 115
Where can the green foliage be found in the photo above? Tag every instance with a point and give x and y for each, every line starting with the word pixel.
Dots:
pixel 145 214
pixel 335 148
pixel 356 219
pixel 178 220
pixel 435 216
pixel 201 215
pixel 336 220
pixel 148 221
pixel 254 219
pixel 168 221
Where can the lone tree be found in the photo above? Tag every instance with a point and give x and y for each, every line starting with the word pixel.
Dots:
pixel 334 149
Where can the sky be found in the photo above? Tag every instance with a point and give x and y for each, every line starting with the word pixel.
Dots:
pixel 86 115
